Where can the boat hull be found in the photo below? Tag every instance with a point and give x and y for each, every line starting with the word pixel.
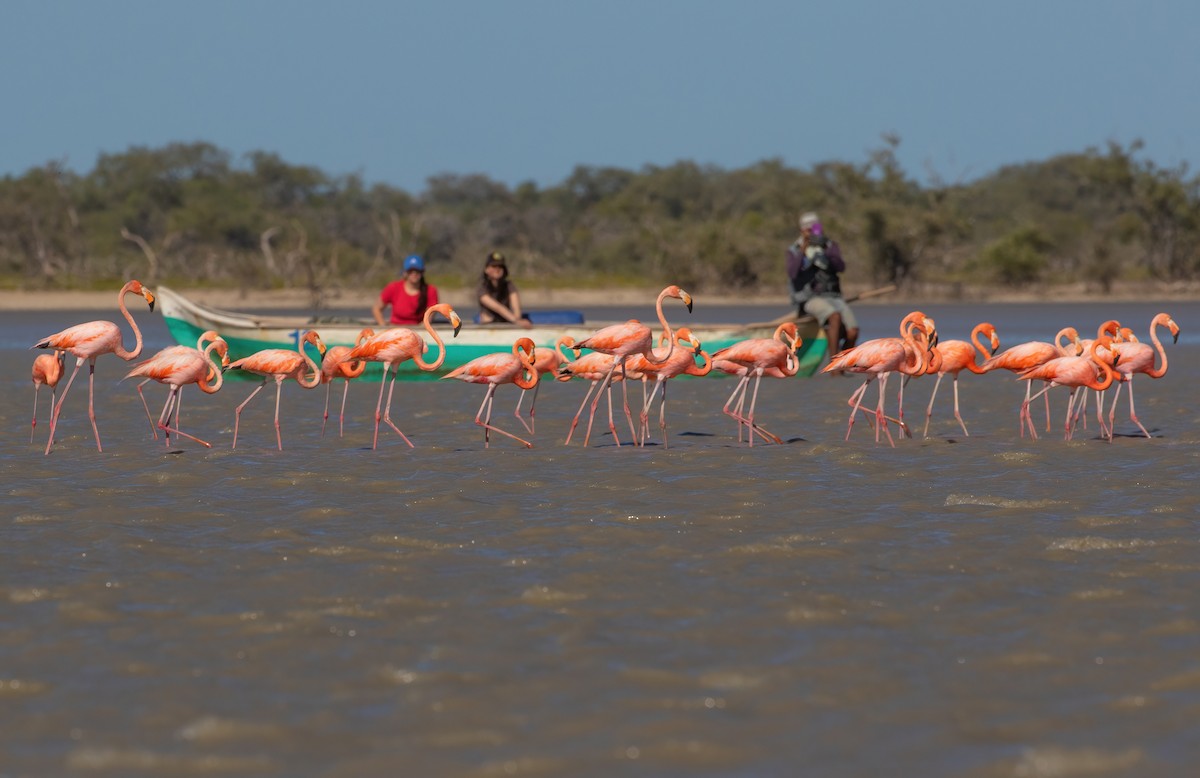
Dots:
pixel 250 333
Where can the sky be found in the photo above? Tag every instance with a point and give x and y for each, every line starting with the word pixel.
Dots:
pixel 527 90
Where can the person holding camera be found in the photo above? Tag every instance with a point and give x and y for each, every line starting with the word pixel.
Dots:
pixel 814 263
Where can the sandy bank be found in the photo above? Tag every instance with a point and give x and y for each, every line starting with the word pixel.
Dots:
pixel 776 302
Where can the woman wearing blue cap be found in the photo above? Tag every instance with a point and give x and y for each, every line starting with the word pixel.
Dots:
pixel 409 297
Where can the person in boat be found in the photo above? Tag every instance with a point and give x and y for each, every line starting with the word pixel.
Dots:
pixel 499 301
pixel 814 263
pixel 408 297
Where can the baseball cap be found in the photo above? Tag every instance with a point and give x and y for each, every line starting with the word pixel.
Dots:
pixel 495 258
pixel 414 262
pixel 808 219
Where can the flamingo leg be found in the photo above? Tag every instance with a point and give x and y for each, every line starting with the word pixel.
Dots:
pixel 596 402
pixel 1132 413
pixel 932 395
pixel 625 402
pixel 880 418
pixel 578 413
pixel 92 403
pixel 485 422
pixel 958 415
pixel 33 427
pixel 278 394
pixel 379 405
pixel 153 430
pixel 325 416
pixel 237 412
pixel 647 404
pixel 532 404
pixel 855 403
pixel 59 404
pixel 342 413
pixel 177 395
pixel 387 413
pixel 736 415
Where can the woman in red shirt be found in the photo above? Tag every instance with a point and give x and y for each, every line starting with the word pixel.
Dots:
pixel 408 297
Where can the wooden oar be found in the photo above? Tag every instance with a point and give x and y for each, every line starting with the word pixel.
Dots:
pixel 807 319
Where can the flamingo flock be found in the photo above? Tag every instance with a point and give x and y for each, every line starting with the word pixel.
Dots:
pixel 619 354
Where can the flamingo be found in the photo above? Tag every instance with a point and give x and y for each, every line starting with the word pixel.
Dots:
pixel 496 369
pixel 959 355
pixel 180 365
pixel 1136 357
pixel 620 341
pixel 774 357
pixel 280 364
pixel 333 367
pixel 47 370
pixel 87 342
pixel 205 337
pixel 545 360
pixel 881 357
pixel 1026 356
pixel 681 362
pixel 396 345
pixel 593 367
pixel 1076 372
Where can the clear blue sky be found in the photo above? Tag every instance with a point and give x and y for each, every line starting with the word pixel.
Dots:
pixel 528 89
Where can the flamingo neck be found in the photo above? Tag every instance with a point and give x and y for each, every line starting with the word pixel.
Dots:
pixel 670 336
pixel 1161 370
pixel 137 334
pixel 527 369
pixel 308 383
pixel 427 320
pixel 214 375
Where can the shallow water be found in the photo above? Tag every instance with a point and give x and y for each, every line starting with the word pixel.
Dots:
pixel 985 605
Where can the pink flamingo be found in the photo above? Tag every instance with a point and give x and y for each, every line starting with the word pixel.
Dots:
pixel 681 362
pixel 880 358
pixel 280 364
pixel 333 366
pixel 180 365
pixel 205 337
pixel 396 345
pixel 593 367
pixel 496 369
pixel 1026 356
pixel 545 360
pixel 620 341
pixel 87 342
pixel 47 370
pixel 959 355
pixel 1075 372
pixel 1135 357
pixel 774 357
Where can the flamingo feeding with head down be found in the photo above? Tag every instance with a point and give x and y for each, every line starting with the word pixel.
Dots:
pixel 280 364
pixel 180 365
pixel 774 357
pixel 87 342
pixel 396 345
pixel 959 355
pixel 517 367
pixel 620 341
pixel 332 367
pixel 1136 357
pixel 47 370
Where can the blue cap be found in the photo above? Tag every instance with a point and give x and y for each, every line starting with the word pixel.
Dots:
pixel 414 262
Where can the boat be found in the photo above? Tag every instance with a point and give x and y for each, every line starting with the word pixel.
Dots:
pixel 247 333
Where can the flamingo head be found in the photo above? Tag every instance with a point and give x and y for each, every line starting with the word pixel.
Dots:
pixel 675 291
pixel 364 335
pixel 312 337
pixel 1163 318
pixel 525 346
pixel 684 335
pixel 1111 328
pixel 222 348
pixel 136 287
pixel 989 331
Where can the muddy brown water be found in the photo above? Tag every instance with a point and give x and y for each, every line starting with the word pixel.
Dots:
pixel 984 606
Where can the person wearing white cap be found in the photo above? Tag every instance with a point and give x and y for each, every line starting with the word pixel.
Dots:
pixel 814 263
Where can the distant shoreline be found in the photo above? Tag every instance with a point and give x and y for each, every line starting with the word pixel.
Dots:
pixel 531 297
